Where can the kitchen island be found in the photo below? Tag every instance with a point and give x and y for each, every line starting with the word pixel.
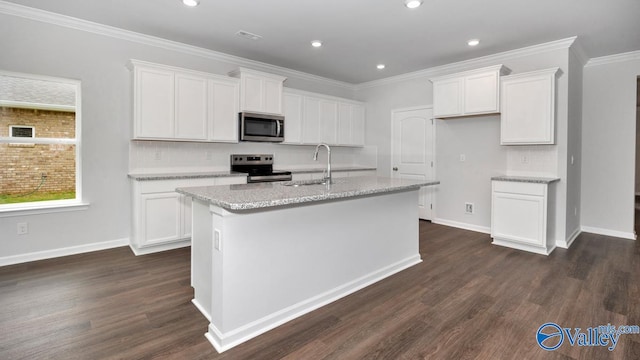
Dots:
pixel 263 254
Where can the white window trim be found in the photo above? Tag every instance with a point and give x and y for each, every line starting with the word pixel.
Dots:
pixel 50 206
pixel 33 131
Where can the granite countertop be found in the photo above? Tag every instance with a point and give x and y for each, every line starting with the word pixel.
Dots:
pixel 264 195
pixel 212 174
pixel 310 170
pixel 526 179
pixel 183 175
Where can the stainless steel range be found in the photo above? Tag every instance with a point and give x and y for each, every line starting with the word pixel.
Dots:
pixel 259 168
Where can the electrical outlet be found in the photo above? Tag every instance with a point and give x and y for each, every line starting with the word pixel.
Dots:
pixel 468 208
pixel 463 157
pixel 525 159
pixel 209 155
pixel 23 228
pixel 158 155
pixel 217 239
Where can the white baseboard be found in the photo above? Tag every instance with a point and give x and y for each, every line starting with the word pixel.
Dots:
pixel 565 244
pixel 461 225
pixel 607 232
pixel 157 248
pixel 54 253
pixel 224 341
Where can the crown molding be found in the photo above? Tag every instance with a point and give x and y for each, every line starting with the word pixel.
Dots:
pixel 466 64
pixel 615 58
pixel 577 50
pixel 106 30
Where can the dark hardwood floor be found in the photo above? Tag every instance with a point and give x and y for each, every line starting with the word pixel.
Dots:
pixel 468 299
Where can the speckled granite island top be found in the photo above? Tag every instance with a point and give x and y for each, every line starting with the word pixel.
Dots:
pixel 264 195
pixel 527 179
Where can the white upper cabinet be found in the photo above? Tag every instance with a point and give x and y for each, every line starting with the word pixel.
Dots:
pixel 312 118
pixel 293 118
pixel 260 91
pixel 191 107
pixel 528 108
pixel 153 93
pixel 468 93
pixel 178 104
pixel 224 107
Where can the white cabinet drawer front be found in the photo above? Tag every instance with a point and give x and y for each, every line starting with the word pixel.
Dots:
pixel 520 188
pixel 155 186
pixel 519 218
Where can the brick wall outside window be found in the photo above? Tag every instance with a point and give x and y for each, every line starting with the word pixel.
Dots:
pixel 22 166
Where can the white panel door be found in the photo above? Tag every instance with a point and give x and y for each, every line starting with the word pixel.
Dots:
pixel 252 89
pixel 272 96
pixel 154 103
pixel 357 126
pixel 311 121
pixel 191 107
pixel 328 121
pixel 161 218
pixel 448 97
pixel 224 111
pixel 292 118
pixel 412 157
pixel 345 119
pixel 481 93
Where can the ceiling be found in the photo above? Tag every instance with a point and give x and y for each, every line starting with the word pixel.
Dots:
pixel 359 34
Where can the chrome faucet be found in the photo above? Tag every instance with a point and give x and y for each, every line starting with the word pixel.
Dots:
pixel 315 158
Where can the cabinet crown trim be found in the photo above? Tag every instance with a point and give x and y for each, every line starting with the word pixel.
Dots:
pixel 550 71
pixel 133 63
pixel 239 71
pixel 319 95
pixel 501 69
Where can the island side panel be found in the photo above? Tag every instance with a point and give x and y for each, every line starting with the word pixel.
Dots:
pixel 275 264
pixel 202 257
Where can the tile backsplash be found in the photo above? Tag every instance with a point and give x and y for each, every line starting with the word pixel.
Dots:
pixel 534 160
pixel 170 156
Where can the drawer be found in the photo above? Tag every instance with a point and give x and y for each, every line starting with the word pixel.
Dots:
pixel 513 187
pixel 156 186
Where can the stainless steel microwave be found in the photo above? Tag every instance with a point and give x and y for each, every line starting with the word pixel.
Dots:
pixel 261 127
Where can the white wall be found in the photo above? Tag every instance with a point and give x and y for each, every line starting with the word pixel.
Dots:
pixel 574 147
pixel 99 62
pixel 478 138
pixel 608 145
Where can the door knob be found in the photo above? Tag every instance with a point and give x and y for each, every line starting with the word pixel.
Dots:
pixel 395 168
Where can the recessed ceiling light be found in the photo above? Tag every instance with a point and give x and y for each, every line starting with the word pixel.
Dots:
pixel 380 66
pixel 316 43
pixel 412 4
pixel 191 3
pixel 473 42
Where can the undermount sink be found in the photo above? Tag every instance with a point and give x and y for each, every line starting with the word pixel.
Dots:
pixel 304 183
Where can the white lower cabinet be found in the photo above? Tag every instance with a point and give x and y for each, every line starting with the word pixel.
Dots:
pixel 519 216
pixel 334 174
pixel 161 216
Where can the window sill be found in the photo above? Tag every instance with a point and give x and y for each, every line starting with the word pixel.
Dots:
pixel 36 209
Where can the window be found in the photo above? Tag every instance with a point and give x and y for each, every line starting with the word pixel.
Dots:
pixel 21 131
pixel 39 169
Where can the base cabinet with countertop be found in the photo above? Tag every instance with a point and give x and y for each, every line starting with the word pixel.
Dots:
pixel 520 213
pixel 161 216
pixel 264 254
